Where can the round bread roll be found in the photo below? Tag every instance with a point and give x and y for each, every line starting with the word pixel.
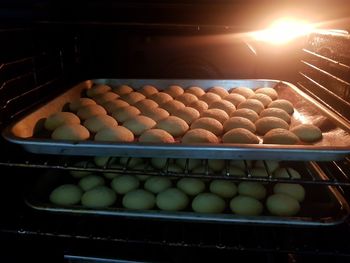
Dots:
pixel 187 98
pixel 131 162
pixel 199 136
pixel 216 165
pixel 133 97
pixel 191 186
pixel 157 184
pixel 235 98
pixel 280 136
pixel 264 99
pixel 156 114
pixel 259 172
pixel 286 173
pixel 240 135
pixel 246 206
pixel 144 105
pixel 199 105
pixel 210 97
pixel 219 91
pixel 234 171
pixel 98 197
pixel 67 194
pixel 81 102
pixel 268 91
pixel 105 97
pixel 90 110
pixel 148 90
pixel 172 199
pixel 119 169
pixel 174 91
pixel 296 191
pixel 139 200
pixel 102 161
pixel 97 89
pixel 172 106
pixel 242 164
pixel 270 165
pixel 252 189
pixel 245 92
pixel 224 105
pixel 174 125
pixel 265 124
pixel 58 119
pixel 72 132
pixel 282 104
pixel 246 113
pixel 91 181
pixel 307 132
pixel 125 113
pixel 197 91
pixel 124 184
pixel 208 203
pixel 114 134
pixel 239 122
pixel 139 124
pixel 156 136
pixel 188 164
pixel 113 105
pixel 160 97
pixel 98 122
pixel 122 90
pixel 282 205
pixel 188 114
pixel 216 114
pixel 252 104
pixel 160 163
pixel 275 112
pixel 223 188
pixel 82 173
pixel 208 124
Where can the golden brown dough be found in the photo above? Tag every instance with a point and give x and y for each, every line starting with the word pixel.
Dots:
pixel 245 92
pixel 224 105
pixel 265 124
pixel 90 110
pixel 148 90
pixel 145 104
pixel 282 104
pixel 156 136
pixel 132 97
pixel 199 105
pixel 240 135
pixel 276 112
pixel 199 136
pixel 187 98
pixel 97 122
pixel 172 105
pixel 246 113
pixel 216 114
pixel 264 99
pixel 60 118
pixel 138 124
pixel 208 124
pixel 210 97
pixel 268 91
pixel 174 91
pixel 252 104
pixel 219 91
pixel 113 105
pixel 188 114
pixel 114 134
pixel 160 97
pixel 81 102
pixel 235 98
pixel 103 98
pixel 280 136
pixel 73 132
pixel 197 91
pixel 156 114
pixel 307 132
pixel 97 89
pixel 239 122
pixel 125 113
pixel 122 90
pixel 174 125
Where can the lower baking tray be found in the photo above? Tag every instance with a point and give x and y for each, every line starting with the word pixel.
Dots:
pixel 323 205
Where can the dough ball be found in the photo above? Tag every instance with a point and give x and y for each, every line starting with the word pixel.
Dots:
pixel 234 171
pixel 188 164
pixel 102 161
pixel 268 91
pixel 173 168
pixel 114 134
pixel 264 99
pixel 197 91
pixel 130 162
pixel 216 165
pixel 282 205
pixel 271 165
pixel 98 122
pixel 296 191
pixel 210 97
pixel 139 200
pixel 275 112
pixel 216 114
pixel 144 105
pixel 118 170
pixel 208 203
pixel 242 164
pixel 72 132
pixel 160 97
pixel 246 113
pixel 223 188
pixel 133 97
pixel 265 124
pixel 97 89
pixel 286 173
pixel 202 170
pixel 81 102
pixel 219 91
pixel 280 136
pixel 173 125
pixel 105 97
pixel 139 124
pixel 188 114
pixel 252 104
pixel 90 110
pixel 235 98
pixel 58 119
pixel 208 124
pixel 245 92
pixel 82 173
pixel 239 122
pixel 113 105
pixel 148 90
pixel 125 113
pixel 67 194
pixel 307 132
pixel 187 98
pixel 224 105
pixel 172 106
pixel 91 181
pixel 199 136
pixel 159 163
pixel 99 197
pixel 156 114
pixel 282 104
pixel 199 105
pixel 172 199
pixel 174 91
pixel 157 184
pixel 191 186
pixel 156 136
pixel 122 90
pixel 246 206
pixel 124 184
pixel 259 172
pixel 252 189
pixel 240 135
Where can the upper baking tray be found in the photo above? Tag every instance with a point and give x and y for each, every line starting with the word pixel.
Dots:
pixel 335 144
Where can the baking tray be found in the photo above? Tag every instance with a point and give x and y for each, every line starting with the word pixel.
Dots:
pixel 323 205
pixel 335 144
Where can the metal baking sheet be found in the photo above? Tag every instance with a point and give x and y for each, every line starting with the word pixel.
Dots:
pixel 335 144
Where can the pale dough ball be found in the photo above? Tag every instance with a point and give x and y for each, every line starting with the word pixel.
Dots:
pixel 98 122
pixel 173 168
pixel 125 113
pixel 286 173
pixel 276 112
pixel 139 199
pixel 188 164
pixel 58 119
pixel 269 92
pixel 239 122
pixel 234 171
pixel 210 97
pixel 113 105
pixel 130 162
pixel 122 90
pixel 271 165
pixel 245 92
pixel 90 110
pixel 97 89
pixel 224 105
pixel 208 124
pixel 156 136
pixel 223 188
pixel 235 98
pixel 172 199
pixel 280 136
pixel 159 163
pixel 242 164
pixel 246 113
pixel 307 132
pixel 105 97
pixel 72 132
pixel 252 104
pixel 282 104
pixel 148 90
pixel 282 205
pixel 139 124
pixel 240 135
pixel 199 136
pixel 258 172
pixel 118 170
pixel 208 203
pixel 191 186
pixel 265 124
pixel 216 114
pixel 91 181
pixel 188 114
pixel 197 91
pixel 82 173
pixel 202 170
pixel 216 165
pixel 252 189
pixel 160 97
pixel 172 106
pixel 114 134
pixel 144 105
pixel 102 161
pixel 67 194
pixel 124 184
pixel 81 102
pixel 157 184
pixel 199 105
pixel 174 91
pixel 173 125
pixel 296 191
pixel 187 98
pixel 133 97
pixel 219 91
pixel 99 197
pixel 156 114
pixel 246 206
pixel 264 99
